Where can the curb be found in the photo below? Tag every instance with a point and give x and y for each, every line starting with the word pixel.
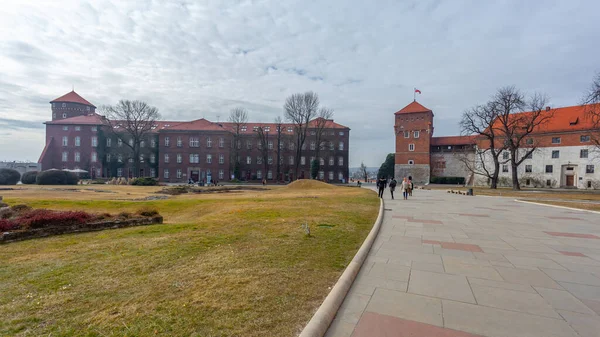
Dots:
pixel 557 206
pixel 319 323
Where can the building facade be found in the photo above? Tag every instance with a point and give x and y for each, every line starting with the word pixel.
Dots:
pixel 565 155
pixel 200 150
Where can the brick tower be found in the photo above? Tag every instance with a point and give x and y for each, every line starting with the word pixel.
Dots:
pixel 71 105
pixel 414 128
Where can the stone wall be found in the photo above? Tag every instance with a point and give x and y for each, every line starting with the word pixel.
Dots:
pixel 449 164
pixel 419 173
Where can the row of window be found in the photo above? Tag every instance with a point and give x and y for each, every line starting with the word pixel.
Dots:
pixel 556 140
pixel 583 153
pixel 221 174
pixel 415 134
pixel 77 157
pixel 78 128
pixel 290 129
pixel 64 105
pixel 549 168
pixel 77 141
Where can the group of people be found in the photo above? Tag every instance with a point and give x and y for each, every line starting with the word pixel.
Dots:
pixel 406 186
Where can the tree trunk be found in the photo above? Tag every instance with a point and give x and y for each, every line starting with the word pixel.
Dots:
pixel 515 176
pixel 494 184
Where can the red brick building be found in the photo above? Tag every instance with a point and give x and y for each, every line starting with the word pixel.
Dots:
pixel 200 150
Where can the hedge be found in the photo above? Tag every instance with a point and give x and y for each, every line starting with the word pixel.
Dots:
pixel 28 178
pixel 145 182
pixel 9 176
pixel 56 177
pixel 448 180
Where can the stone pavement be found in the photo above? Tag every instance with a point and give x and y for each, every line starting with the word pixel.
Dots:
pixel 453 265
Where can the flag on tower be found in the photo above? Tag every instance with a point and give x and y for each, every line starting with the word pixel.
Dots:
pixel 415 94
pixel 417 91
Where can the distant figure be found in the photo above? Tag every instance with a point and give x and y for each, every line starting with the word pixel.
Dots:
pixel 393 183
pixel 190 181
pixel 381 183
pixel 264 182
pixel 410 186
pixel 405 186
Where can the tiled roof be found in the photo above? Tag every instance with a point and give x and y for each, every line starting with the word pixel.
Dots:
pixel 91 119
pixel 197 125
pixel 571 118
pixel 453 140
pixel 329 124
pixel 413 107
pixel 72 97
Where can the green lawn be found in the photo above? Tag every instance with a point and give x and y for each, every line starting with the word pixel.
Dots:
pixel 221 265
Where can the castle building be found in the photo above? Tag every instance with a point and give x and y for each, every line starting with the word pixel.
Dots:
pixel 177 151
pixel 565 155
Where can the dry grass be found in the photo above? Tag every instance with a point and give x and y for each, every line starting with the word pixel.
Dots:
pixel 234 264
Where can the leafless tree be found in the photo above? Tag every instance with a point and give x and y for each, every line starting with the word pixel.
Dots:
pixel 481 120
pixel 518 118
pixel 318 126
pixel 131 123
pixel 363 171
pixel 263 147
pixel 591 101
pixel 278 129
pixel 238 117
pixel 299 110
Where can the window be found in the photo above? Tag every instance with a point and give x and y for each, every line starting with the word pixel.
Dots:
pixel 527 182
pixel 529 155
pixel 529 141
pixel 166 157
pixel 120 158
pixel 292 146
pixel 194 158
pixel 239 144
pixel 108 142
pixel 179 158
pixel 411 162
pixel 321 175
pixel 330 175
pixel 77 141
pixel 548 168
pixel 65 141
pixel 583 153
pixel 331 146
pixel 108 157
pixel 152 158
pixel 504 168
pixel 244 128
pixel 341 133
pixel 415 134
pixel 221 142
pixel 331 161
pixel 321 161
pixel 221 174
pixel 340 161
pixel 406 134
pixel 589 168
pixel 584 139
pixel 119 172
pixel 77 157
pixel 141 158
pixel 248 160
pixel 178 173
pixel 555 154
pixel 65 156
pixel 259 160
pixel 65 128
pixel 504 155
pixel 94 157
pixel 64 114
pixel 267 128
pixel 291 160
pixel 411 147
pixel 302 160
pixel 194 142
pixel 221 159
pixel 589 184
pixel 78 128
pixel 119 142
pixel 259 144
pixel 281 145
pixel 94 141
pixel 94 128
pixel 131 142
pixel 166 173
pixel 341 146
pixel 270 160
pixel 528 168
pixel 555 140
pixel 208 142
pixel 167 143
pixel 304 146
pixel 259 174
pixel 548 182
pixel 290 129
pixel 179 142
pixel 312 133
pixel 269 174
pixel 130 160
pixel 340 176
pixel 152 142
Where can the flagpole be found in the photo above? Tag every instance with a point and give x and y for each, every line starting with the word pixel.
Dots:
pixel 414 94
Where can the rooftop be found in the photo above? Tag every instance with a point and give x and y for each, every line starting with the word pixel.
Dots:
pixel 414 106
pixel 72 97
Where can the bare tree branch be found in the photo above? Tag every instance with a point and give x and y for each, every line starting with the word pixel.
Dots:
pixel 238 117
pixel 299 110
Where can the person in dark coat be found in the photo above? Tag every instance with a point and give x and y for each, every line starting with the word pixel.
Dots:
pixel 393 183
pixel 381 183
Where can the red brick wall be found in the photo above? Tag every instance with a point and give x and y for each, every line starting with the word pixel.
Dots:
pixel 71 109
pixel 418 121
pixel 571 138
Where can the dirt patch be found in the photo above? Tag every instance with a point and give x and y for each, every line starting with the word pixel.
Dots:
pixel 183 189
pixel 307 184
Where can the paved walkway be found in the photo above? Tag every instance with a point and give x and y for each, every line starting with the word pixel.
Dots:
pixel 452 265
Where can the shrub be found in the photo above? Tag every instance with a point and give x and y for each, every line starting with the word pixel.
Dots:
pixel 9 176
pixel 448 180
pixel 125 215
pixel 147 211
pixel 56 177
pixel 41 218
pixel 20 208
pixel 6 213
pixel 98 181
pixel 28 178
pixel 7 225
pixel 145 181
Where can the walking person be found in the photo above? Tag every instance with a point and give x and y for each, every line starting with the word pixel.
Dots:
pixel 381 186
pixel 393 183
pixel 410 186
pixel 404 188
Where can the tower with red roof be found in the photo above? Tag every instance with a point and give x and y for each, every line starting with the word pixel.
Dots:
pixel 71 105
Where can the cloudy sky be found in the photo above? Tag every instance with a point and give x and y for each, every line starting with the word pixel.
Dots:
pixel 201 58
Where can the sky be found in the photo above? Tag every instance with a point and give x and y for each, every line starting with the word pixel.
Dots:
pixel 200 59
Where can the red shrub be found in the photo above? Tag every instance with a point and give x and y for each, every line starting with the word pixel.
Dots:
pixel 40 218
pixel 7 225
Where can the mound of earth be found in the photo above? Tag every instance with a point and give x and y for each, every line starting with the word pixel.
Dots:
pixel 308 184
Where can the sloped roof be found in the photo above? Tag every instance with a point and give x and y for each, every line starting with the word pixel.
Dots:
pixel 453 140
pixel 196 125
pixel 414 106
pixel 72 97
pixel 91 119
pixel 571 118
pixel 329 124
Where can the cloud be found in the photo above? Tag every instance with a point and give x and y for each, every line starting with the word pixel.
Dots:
pixel 15 124
pixel 200 59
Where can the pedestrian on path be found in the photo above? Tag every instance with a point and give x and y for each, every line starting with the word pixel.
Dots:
pixel 381 186
pixel 393 187
pixel 405 186
pixel 410 186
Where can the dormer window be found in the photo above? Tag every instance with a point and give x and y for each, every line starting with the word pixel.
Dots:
pixel 574 121
pixel 255 128
pixel 244 128
pixel 88 108
pixel 64 115
pixel 267 128
pixel 64 105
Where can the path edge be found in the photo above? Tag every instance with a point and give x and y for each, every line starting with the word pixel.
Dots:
pixel 319 323
pixel 557 206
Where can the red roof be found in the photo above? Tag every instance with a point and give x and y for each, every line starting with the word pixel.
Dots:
pixel 91 119
pixel 72 97
pixel 414 106
pixel 329 124
pixel 571 118
pixel 453 140
pixel 197 125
